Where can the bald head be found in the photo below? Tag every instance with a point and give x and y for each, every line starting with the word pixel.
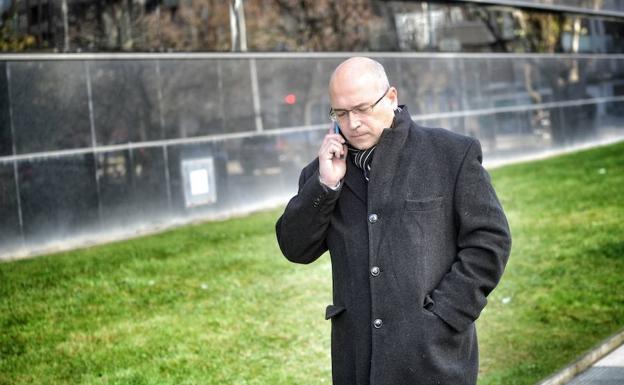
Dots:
pixel 360 69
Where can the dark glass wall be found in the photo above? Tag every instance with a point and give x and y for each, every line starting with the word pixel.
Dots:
pixel 311 25
pixel 114 145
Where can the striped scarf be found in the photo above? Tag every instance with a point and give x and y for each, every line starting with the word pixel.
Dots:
pixel 363 159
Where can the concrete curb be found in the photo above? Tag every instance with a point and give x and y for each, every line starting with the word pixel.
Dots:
pixel 588 359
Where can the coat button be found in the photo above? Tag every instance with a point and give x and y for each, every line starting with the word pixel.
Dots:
pixel 375 271
pixel 372 218
pixel 377 323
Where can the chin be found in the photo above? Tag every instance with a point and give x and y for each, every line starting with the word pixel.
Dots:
pixel 363 145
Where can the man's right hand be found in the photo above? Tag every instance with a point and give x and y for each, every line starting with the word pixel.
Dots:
pixel 332 159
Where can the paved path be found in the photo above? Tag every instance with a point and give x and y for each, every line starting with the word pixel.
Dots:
pixel 608 371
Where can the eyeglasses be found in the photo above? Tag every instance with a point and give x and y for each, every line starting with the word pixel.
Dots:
pixel 337 113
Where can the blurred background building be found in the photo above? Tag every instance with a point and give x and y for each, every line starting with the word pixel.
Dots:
pixel 123 115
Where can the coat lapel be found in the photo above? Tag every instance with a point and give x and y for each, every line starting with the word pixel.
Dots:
pixel 386 163
pixel 354 179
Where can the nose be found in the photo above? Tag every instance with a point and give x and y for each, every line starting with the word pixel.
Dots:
pixel 354 120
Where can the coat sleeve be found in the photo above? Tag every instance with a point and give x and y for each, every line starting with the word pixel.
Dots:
pixel 483 242
pixel 302 228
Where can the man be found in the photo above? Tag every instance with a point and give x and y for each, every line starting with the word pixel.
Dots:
pixel 415 231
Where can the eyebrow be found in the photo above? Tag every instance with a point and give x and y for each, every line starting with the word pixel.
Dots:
pixel 356 106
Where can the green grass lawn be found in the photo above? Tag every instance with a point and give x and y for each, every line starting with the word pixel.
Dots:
pixel 216 303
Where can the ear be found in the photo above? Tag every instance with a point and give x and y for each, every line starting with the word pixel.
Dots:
pixel 393 97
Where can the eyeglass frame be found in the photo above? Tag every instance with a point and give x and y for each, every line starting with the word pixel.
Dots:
pixel 356 110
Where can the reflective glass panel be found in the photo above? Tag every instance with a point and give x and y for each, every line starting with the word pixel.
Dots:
pixel 133 186
pixel 50 106
pixel 236 91
pixel 10 234
pixel 125 101
pixel 6 139
pixel 193 102
pixel 59 197
pixel 288 98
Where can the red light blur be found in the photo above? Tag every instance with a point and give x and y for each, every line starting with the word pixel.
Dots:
pixel 290 99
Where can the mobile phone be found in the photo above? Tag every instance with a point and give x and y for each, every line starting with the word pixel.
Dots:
pixel 337 131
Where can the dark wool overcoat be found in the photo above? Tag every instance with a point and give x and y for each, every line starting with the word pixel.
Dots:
pixel 414 252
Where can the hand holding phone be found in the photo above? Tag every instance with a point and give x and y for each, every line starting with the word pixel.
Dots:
pixel 332 157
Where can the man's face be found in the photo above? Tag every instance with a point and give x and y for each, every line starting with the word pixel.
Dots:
pixel 352 98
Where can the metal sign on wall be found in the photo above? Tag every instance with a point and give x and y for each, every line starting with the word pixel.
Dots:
pixel 198 176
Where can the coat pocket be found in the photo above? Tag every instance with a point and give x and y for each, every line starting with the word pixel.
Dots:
pixel 333 311
pixel 423 204
pixel 427 309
